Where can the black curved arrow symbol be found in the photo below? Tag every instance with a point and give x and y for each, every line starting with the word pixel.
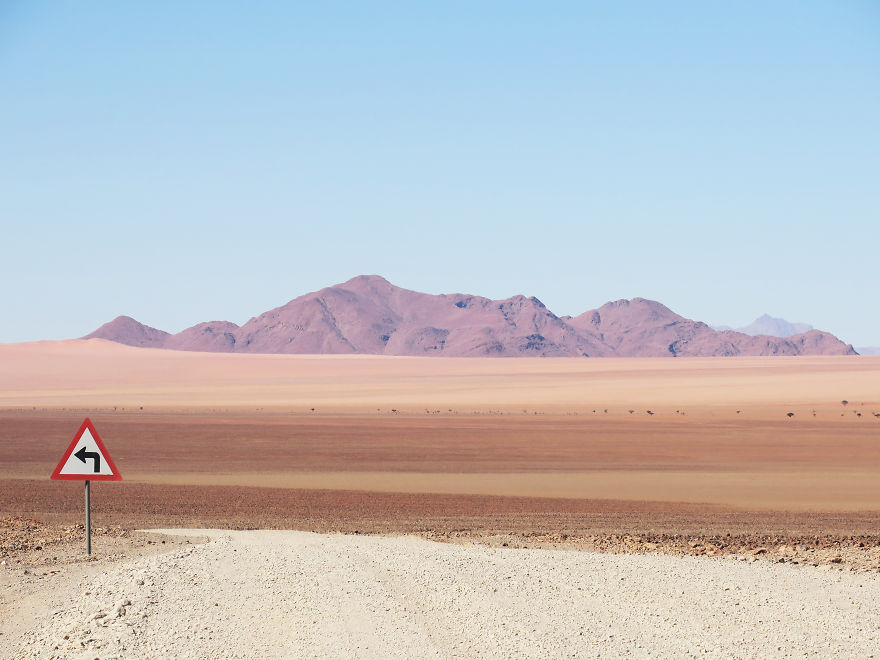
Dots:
pixel 82 455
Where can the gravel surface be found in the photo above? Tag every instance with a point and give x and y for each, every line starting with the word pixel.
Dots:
pixel 283 594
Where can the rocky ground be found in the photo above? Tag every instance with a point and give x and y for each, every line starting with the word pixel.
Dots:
pixel 854 553
pixel 32 543
pixel 36 547
pixel 20 535
pixel 281 594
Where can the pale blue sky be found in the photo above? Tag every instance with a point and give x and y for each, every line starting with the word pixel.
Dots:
pixel 181 162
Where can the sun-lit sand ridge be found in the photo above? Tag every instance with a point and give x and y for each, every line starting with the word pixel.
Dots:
pixel 97 373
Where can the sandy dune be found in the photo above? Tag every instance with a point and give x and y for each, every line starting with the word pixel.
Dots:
pixel 97 373
pixel 294 594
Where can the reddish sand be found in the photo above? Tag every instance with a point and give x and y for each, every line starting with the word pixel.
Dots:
pixel 98 374
pixel 441 438
pixel 793 465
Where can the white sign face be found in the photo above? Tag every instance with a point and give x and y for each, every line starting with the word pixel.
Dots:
pixel 86 458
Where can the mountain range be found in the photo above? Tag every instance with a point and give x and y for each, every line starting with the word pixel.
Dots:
pixel 368 314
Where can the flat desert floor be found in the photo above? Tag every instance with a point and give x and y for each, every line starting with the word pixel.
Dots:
pixel 774 459
pixel 721 435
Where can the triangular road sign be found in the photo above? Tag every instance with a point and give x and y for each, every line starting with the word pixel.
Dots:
pixel 87 458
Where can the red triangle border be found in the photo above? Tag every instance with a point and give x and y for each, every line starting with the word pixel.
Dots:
pixel 87 424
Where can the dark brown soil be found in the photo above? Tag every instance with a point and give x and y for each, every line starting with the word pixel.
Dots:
pixel 56 514
pixel 42 512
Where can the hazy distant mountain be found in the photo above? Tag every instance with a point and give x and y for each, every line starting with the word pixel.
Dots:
pixel 868 350
pixel 370 315
pixel 645 328
pixel 769 325
pixel 126 330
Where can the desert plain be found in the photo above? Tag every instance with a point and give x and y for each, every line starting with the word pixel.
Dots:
pixel 758 458
pixel 763 434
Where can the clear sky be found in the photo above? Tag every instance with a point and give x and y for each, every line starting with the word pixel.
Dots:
pixel 191 161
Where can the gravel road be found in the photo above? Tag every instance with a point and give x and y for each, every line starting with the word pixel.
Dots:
pixel 283 594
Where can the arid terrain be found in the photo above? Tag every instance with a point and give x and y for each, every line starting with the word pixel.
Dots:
pixel 770 460
pixel 651 447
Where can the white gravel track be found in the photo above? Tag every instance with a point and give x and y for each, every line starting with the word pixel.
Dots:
pixel 282 594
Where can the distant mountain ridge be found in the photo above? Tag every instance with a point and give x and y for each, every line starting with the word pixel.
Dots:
pixel 769 325
pixel 369 315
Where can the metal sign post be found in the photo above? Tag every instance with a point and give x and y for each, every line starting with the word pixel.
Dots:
pixel 90 462
pixel 88 519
